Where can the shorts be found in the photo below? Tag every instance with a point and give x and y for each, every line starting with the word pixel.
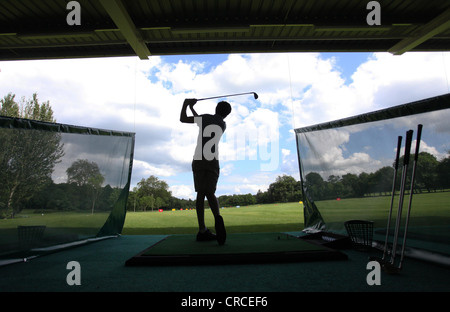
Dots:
pixel 206 175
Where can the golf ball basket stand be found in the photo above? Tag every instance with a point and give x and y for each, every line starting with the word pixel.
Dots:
pixel 360 233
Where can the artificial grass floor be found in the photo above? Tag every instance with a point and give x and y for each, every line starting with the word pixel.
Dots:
pixel 239 248
pixel 236 243
pixel 102 268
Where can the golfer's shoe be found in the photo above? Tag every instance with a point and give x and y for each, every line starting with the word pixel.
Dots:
pixel 206 236
pixel 220 230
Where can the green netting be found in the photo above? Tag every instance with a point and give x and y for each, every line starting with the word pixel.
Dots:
pixel 347 172
pixel 60 185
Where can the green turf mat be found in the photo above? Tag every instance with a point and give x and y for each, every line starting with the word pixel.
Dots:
pixel 239 248
pixel 236 243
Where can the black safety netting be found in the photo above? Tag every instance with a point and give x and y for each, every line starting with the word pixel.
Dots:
pixel 347 170
pixel 60 186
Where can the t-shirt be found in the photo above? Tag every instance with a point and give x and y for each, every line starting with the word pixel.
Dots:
pixel 211 128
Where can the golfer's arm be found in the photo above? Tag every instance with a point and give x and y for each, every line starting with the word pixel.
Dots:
pixel 193 111
pixel 183 116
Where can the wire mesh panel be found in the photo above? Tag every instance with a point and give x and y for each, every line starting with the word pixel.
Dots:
pixel 361 233
pixel 30 236
pixel 60 184
pixel 347 169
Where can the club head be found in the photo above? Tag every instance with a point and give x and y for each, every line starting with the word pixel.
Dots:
pixel 390 269
pixel 377 259
pixel 255 95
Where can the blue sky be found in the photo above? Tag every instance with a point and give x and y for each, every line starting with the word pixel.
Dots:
pixel 295 90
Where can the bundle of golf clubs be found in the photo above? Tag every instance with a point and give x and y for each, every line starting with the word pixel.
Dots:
pixel 389 266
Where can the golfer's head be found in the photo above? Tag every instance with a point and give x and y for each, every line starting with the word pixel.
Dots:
pixel 223 109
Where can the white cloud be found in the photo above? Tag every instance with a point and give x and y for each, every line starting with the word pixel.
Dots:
pixel 226 169
pixel 182 191
pixel 145 169
pixel 386 80
pixel 324 152
pixel 295 89
pixel 289 162
pixel 424 147
pixel 240 183
pixel 383 81
pixel 254 136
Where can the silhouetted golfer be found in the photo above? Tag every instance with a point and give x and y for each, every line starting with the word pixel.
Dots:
pixel 205 165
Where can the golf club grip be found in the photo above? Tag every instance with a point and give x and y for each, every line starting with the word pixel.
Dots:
pixel 397 156
pixel 419 135
pixel 408 142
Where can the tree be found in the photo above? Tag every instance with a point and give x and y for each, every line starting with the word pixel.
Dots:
pixel 155 188
pixel 262 197
pixel 147 201
pixel 9 107
pixel 314 184
pixel 426 171
pixel 381 180
pixel 363 186
pixel 82 172
pixel 350 183
pixel 443 172
pixel 334 187
pixel 27 157
pixel 34 110
pixel 29 109
pixel 284 189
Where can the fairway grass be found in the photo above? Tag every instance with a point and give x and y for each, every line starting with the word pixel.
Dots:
pixel 255 218
pixel 56 219
pixel 427 209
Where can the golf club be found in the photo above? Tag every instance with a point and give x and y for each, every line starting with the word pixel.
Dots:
pixel 394 182
pixel 228 95
pixel 416 157
pixel 389 267
pixel 399 144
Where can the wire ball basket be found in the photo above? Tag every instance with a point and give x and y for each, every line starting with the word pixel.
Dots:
pixel 361 233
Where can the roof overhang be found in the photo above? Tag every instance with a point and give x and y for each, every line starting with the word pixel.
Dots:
pixel 32 29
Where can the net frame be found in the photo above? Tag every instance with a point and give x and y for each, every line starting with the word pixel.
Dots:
pixel 314 220
pixel 29 236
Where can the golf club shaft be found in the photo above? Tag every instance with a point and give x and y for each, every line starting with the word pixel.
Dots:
pixel 399 145
pixel 228 95
pixel 416 157
pixel 402 192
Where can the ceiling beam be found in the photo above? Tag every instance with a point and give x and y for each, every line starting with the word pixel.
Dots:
pixel 123 21
pixel 425 32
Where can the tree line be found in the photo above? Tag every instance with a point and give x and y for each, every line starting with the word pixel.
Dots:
pixel 152 194
pixel 431 175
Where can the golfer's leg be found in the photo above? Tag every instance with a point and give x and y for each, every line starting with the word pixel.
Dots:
pixel 218 220
pixel 212 177
pixel 213 204
pixel 200 208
